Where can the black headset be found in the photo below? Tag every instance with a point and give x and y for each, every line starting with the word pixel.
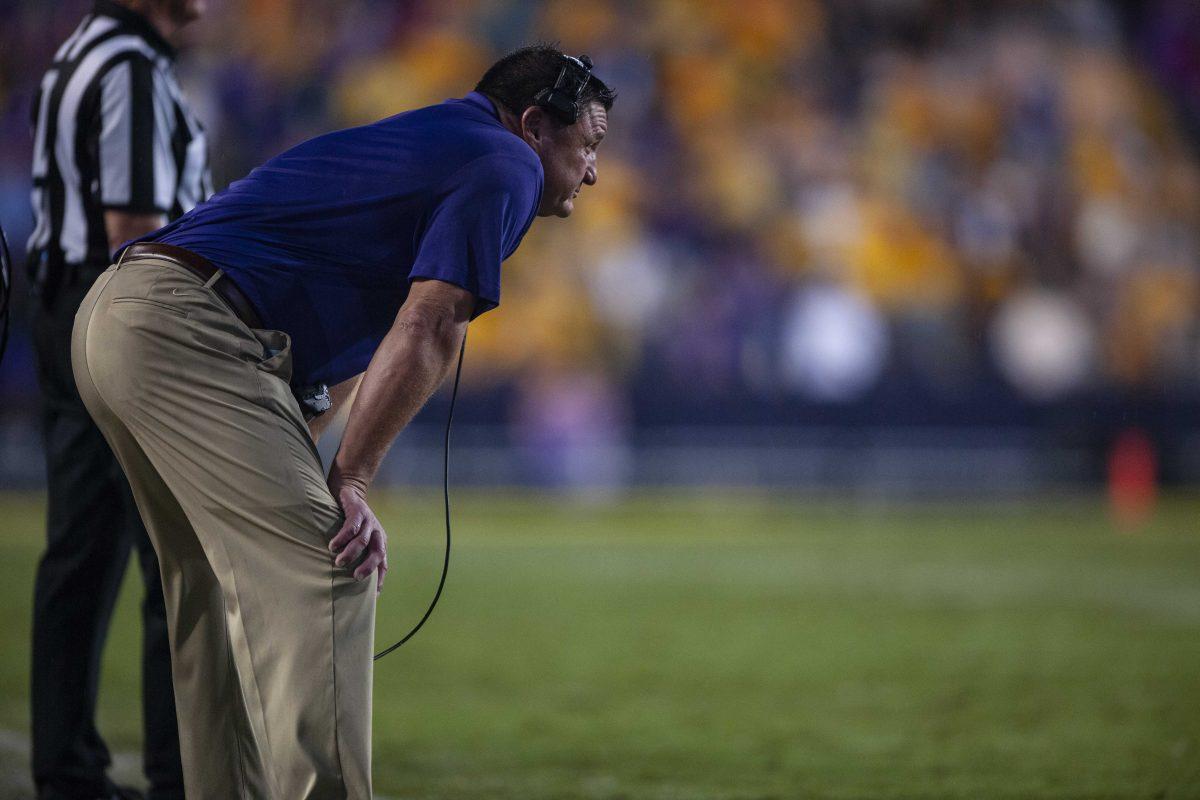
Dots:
pixel 562 100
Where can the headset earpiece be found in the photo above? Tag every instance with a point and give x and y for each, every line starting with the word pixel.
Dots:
pixel 562 100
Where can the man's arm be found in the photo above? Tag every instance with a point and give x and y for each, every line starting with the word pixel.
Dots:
pixel 411 362
pixel 128 185
pixel 121 226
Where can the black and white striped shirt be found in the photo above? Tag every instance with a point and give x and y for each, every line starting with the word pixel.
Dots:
pixel 112 131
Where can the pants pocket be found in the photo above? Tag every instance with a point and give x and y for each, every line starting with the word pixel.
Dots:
pixel 277 353
pixel 148 302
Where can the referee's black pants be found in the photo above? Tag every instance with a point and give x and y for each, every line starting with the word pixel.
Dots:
pixel 92 525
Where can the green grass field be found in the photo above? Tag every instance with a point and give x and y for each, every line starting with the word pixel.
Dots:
pixel 729 646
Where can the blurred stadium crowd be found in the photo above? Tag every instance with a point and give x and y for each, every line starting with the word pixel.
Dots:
pixel 800 203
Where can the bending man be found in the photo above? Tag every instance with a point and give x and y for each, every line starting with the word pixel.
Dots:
pixel 202 351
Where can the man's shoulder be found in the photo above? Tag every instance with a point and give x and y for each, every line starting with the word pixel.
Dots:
pixel 112 32
pixel 508 158
pixel 497 151
pixel 115 20
pixel 134 53
pixel 100 54
pixel 459 136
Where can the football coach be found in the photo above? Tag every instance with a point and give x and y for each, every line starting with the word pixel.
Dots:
pixel 204 350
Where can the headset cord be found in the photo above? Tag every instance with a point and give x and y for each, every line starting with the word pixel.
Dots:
pixel 446 498
pixel 6 279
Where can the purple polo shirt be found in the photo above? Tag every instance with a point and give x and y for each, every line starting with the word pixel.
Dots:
pixel 325 238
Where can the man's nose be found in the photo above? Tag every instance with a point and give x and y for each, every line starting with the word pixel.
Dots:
pixel 589 177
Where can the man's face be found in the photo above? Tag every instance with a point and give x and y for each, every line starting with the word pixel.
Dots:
pixel 568 155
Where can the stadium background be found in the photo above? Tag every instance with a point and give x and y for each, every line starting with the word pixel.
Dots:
pixel 890 245
pixel 852 253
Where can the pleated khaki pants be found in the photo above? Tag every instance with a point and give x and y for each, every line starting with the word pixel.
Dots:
pixel 270 641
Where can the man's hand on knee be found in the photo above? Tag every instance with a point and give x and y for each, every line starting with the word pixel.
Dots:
pixel 360 534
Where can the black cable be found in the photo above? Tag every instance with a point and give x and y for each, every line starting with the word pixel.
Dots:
pixel 446 497
pixel 5 291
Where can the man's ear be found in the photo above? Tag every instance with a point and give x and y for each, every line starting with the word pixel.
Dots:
pixel 535 126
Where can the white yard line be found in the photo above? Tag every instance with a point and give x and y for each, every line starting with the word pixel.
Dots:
pixel 16 783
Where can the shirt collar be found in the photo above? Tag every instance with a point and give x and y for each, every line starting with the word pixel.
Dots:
pixel 140 25
pixel 482 101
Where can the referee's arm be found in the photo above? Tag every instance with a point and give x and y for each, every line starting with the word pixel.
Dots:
pixel 134 191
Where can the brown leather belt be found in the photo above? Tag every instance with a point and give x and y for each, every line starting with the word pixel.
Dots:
pixel 225 288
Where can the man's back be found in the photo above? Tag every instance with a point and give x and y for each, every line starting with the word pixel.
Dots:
pixel 325 237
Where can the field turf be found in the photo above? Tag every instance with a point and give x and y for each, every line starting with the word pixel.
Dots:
pixel 688 647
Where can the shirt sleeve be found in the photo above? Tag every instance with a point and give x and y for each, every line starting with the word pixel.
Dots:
pixel 479 218
pixel 136 165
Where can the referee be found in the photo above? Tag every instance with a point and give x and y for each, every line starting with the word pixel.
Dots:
pixel 117 154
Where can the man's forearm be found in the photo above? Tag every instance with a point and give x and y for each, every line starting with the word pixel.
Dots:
pixel 411 362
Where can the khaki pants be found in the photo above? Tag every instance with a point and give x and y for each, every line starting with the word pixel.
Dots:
pixel 270 641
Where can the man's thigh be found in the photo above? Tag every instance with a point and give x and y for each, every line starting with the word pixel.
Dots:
pixel 208 402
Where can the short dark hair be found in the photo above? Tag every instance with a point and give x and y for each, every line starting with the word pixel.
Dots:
pixel 515 80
